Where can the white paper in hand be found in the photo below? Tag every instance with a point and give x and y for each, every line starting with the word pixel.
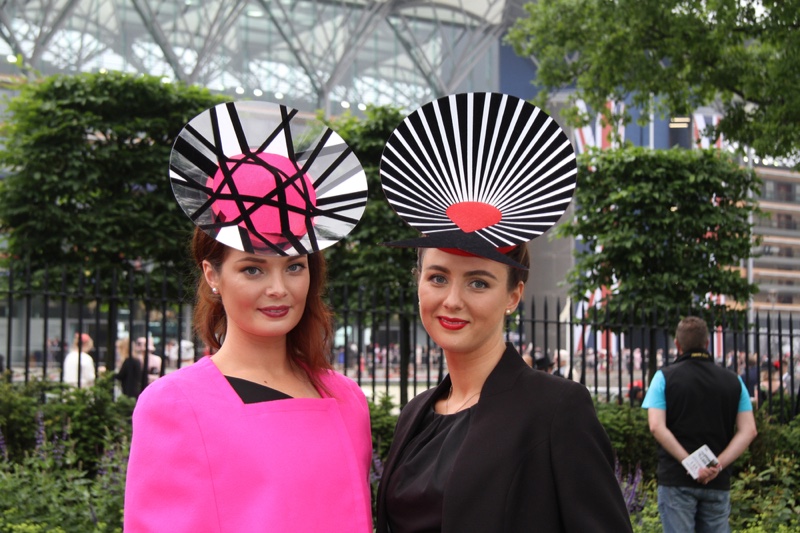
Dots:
pixel 702 457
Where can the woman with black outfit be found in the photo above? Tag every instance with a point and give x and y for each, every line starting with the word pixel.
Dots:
pixel 497 446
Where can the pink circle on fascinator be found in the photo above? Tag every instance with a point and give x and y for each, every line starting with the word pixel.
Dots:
pixel 256 179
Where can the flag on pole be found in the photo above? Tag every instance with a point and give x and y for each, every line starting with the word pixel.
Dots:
pixel 717 347
pixel 699 124
pixel 596 134
pixel 602 341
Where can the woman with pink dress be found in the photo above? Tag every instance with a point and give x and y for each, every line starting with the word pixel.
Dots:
pixel 262 435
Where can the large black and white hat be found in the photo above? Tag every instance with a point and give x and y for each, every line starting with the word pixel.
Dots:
pixel 478 173
pixel 261 179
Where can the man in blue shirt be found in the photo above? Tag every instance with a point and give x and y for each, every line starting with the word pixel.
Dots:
pixel 690 403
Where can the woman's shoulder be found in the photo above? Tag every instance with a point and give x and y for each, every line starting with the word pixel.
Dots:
pixel 537 383
pixel 178 384
pixel 336 381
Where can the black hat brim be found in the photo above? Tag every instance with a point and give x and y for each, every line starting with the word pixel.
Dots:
pixel 465 242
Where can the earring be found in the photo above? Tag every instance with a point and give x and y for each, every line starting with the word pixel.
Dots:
pixel 508 311
pixel 214 290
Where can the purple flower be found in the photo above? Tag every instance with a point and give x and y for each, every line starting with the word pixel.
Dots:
pixel 632 489
pixel 3 447
pixel 58 451
pixel 39 431
pixel 108 460
pixel 376 472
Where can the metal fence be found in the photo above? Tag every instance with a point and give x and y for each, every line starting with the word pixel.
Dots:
pixel 379 342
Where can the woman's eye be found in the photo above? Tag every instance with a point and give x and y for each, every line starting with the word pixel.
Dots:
pixel 438 279
pixel 296 267
pixel 251 270
pixel 479 284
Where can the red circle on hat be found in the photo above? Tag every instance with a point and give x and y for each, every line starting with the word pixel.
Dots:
pixel 473 216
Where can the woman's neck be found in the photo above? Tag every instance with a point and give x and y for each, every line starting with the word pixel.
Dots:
pixel 243 355
pixel 468 371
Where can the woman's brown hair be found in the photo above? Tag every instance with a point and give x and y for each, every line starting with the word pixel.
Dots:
pixel 307 343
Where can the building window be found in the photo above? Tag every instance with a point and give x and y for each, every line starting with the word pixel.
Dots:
pixel 784 298
pixel 785 221
pixel 784 192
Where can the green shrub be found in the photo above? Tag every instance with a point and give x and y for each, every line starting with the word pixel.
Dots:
pixel 88 416
pixel 383 421
pixel 773 439
pixel 647 519
pixel 84 416
pixel 767 498
pixel 19 405
pixel 63 464
pixel 762 529
pixel 49 491
pixel 630 437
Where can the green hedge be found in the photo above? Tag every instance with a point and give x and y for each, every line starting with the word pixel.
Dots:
pixel 63 457
pixel 765 487
pixel 630 437
pixel 83 416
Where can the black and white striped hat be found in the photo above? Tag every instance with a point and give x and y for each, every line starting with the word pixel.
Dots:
pixel 261 179
pixel 478 173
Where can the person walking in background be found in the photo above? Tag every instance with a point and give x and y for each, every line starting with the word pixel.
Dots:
pixel 543 363
pixel 171 350
pixel 143 350
pixel 497 446
pixel 751 374
pixel 186 353
pixel 691 403
pixel 130 371
pixel 770 386
pixel 262 435
pixel 78 364
pixel 179 354
pixel 564 368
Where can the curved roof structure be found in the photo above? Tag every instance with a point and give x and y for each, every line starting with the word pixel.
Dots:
pixel 311 54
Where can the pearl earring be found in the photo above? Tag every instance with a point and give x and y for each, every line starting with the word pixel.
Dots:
pixel 214 290
pixel 508 311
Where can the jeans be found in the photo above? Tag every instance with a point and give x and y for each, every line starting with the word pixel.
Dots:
pixel 690 509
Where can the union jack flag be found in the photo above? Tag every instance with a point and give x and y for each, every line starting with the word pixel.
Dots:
pixel 700 123
pixel 597 134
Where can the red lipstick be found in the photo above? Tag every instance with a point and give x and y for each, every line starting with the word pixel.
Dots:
pixel 452 323
pixel 276 311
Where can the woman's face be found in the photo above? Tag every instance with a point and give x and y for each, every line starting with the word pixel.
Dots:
pixel 262 296
pixel 463 300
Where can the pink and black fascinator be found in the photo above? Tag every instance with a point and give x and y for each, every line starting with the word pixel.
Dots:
pixel 478 173
pixel 261 179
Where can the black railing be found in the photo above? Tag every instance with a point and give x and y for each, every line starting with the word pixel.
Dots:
pixel 379 340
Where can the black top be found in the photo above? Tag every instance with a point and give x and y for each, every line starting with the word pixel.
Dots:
pixel 251 392
pixel 415 491
pixel 130 376
pixel 702 404
pixel 535 458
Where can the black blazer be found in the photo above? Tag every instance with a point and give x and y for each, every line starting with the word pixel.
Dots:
pixel 535 458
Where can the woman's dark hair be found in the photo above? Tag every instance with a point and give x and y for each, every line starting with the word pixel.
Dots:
pixel 307 343
pixel 519 254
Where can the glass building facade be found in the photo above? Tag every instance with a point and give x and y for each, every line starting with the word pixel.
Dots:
pixel 310 54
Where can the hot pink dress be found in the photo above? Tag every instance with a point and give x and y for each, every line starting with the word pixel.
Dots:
pixel 203 461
